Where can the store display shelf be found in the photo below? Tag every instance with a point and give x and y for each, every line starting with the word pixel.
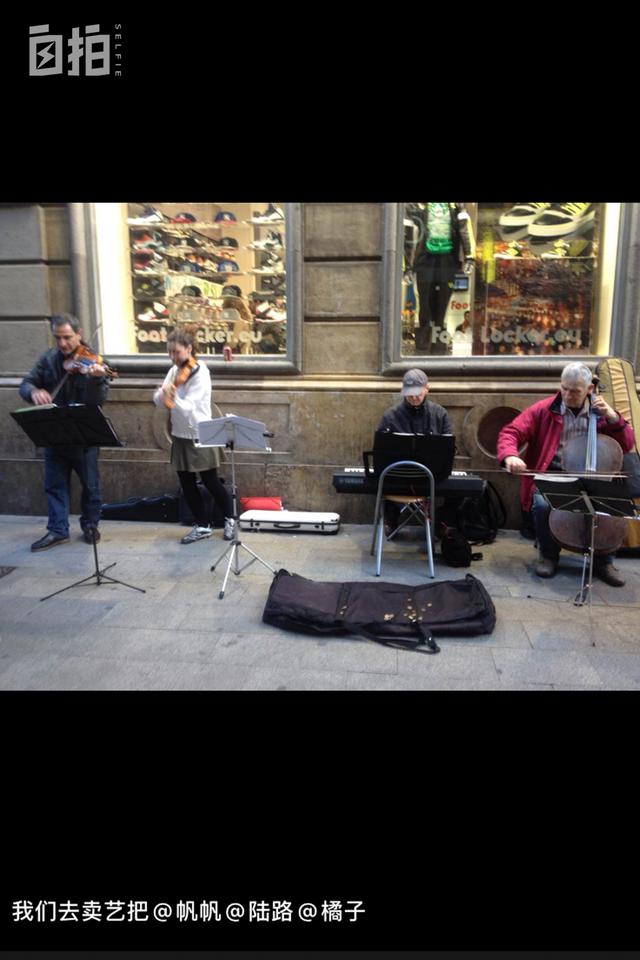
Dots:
pixel 543 257
pixel 265 223
pixel 220 277
pixel 194 225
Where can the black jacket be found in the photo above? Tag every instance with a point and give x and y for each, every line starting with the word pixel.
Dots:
pixel 429 417
pixel 47 373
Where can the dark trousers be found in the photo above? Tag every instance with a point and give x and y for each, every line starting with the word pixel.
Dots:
pixel 58 464
pixel 434 273
pixel 192 495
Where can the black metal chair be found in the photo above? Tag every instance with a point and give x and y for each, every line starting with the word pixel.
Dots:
pixel 411 484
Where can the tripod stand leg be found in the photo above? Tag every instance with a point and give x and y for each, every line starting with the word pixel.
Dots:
pixel 585 588
pixel 79 583
pixel 585 585
pixel 256 557
pixel 232 557
pixel 223 555
pixel 98 576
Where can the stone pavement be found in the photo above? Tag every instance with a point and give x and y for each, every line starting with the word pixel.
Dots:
pixel 180 636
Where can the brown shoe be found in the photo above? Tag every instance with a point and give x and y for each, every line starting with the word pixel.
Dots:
pixel 546 567
pixel 89 534
pixel 609 574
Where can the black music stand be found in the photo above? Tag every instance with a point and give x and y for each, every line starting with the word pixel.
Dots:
pixel 593 498
pixel 77 425
pixel 232 431
pixel 435 451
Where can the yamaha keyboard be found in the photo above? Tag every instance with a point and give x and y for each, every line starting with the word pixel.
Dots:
pixel 458 484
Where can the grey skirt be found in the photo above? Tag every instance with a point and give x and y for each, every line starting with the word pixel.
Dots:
pixel 187 457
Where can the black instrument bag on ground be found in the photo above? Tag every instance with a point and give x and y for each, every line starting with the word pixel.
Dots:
pixel 161 509
pixel 391 613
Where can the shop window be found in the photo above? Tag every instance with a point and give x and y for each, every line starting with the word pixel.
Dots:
pixel 223 267
pixel 541 284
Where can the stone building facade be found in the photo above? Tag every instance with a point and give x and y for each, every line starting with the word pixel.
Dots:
pixel 322 411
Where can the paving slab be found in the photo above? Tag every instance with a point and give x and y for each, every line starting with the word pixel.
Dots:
pixel 547 667
pixel 179 635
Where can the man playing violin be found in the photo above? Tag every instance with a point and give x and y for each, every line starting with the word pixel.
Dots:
pixel 69 373
pixel 546 428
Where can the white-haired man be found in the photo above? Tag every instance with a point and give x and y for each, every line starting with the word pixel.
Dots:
pixel 546 427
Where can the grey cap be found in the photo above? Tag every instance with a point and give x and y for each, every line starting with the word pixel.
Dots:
pixel 413 383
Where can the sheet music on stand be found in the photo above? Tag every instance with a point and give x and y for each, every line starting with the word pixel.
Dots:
pixel 243 433
pixel 435 451
pixel 49 425
pixel 587 495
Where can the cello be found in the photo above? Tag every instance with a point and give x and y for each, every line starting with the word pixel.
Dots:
pixel 592 532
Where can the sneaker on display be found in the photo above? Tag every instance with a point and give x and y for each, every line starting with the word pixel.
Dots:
pixel 151 288
pixel 522 214
pixel 197 533
pixel 150 215
pixel 147 317
pixel 561 219
pixel 559 249
pixel 273 241
pixel 508 251
pixel 271 215
pixel 146 241
pixel 229 528
pixel 269 268
pixel 263 245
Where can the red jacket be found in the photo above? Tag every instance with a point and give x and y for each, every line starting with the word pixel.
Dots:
pixel 540 427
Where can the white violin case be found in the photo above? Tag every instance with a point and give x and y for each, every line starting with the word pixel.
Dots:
pixel 291 521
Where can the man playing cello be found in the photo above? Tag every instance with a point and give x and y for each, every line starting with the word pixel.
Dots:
pixel 547 427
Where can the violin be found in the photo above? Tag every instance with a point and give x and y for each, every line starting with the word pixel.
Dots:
pixel 181 376
pixel 82 358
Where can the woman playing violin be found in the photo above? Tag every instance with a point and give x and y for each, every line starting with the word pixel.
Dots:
pixel 186 392
pixel 56 376
pixel 546 428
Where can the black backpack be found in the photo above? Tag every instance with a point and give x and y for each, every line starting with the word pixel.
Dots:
pixel 480 519
pixel 455 548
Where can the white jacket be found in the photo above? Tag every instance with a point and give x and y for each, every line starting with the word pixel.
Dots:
pixel 192 401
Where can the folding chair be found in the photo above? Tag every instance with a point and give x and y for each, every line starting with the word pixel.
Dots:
pixel 411 484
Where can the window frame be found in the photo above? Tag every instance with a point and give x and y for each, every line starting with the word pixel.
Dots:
pixel 87 304
pixel 393 364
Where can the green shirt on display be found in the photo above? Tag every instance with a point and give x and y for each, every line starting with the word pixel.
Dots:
pixel 439 230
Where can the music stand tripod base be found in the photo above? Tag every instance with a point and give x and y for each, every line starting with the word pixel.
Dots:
pixel 235 546
pixel 228 432
pixel 99 577
pixel 590 497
